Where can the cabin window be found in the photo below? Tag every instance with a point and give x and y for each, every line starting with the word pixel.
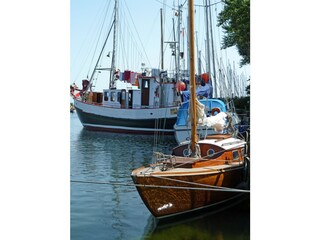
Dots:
pixel 210 152
pixel 145 84
pixel 106 96
pixel 235 155
pixel 113 97
pixel 119 96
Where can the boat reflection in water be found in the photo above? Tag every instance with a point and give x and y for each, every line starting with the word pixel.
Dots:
pixel 223 224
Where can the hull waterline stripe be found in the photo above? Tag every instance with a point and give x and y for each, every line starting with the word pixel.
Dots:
pixel 127 128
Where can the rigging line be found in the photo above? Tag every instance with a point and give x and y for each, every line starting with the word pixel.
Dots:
pixel 132 41
pixel 101 52
pixel 193 183
pixel 123 49
pixel 162 186
pixel 137 50
pixel 219 31
pixel 184 3
pixel 99 37
pixel 137 33
pixel 164 4
pixel 209 5
pixel 157 16
pixel 128 51
pixel 155 136
pixel 82 46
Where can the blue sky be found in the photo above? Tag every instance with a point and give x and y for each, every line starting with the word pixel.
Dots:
pixel 140 23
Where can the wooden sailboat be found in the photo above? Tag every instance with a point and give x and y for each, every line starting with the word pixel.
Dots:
pixel 199 173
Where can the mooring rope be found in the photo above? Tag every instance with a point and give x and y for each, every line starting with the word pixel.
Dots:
pixel 192 183
pixel 161 186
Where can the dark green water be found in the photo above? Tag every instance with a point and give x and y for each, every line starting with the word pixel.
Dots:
pixel 111 211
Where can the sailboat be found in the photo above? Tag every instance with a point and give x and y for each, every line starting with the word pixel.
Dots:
pixel 216 119
pixel 135 102
pixel 198 174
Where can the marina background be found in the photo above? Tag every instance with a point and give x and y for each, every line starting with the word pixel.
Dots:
pixel 35 151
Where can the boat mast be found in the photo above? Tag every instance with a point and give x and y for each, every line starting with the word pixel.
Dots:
pixel 161 23
pixel 192 80
pixel 115 42
pixel 175 51
pixel 199 55
pixel 208 48
pixel 96 66
pixel 178 42
pixel 213 58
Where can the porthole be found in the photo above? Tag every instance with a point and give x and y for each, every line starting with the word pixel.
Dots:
pixel 186 152
pixel 210 152
pixel 235 155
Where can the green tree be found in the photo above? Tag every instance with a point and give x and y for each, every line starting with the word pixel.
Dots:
pixel 235 21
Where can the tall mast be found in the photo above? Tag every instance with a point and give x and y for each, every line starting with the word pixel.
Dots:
pixel 213 58
pixel 192 79
pixel 175 51
pixel 199 55
pixel 115 42
pixel 161 22
pixel 208 46
pixel 178 42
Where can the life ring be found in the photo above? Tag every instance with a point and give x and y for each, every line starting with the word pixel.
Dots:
pixel 215 110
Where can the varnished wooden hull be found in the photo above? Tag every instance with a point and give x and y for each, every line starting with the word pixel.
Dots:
pixel 167 198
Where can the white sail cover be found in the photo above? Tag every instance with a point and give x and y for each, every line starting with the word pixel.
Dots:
pixel 217 122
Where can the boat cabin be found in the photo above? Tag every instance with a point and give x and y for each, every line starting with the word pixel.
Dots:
pixel 140 91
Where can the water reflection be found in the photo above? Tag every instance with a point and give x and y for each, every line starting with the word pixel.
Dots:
pixel 120 152
pixel 106 211
pixel 228 224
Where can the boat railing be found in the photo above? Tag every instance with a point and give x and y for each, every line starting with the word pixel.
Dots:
pixel 164 161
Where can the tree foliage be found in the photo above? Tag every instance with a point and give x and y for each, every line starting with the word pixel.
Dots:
pixel 235 21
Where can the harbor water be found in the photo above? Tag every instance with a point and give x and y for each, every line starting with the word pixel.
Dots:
pixel 105 205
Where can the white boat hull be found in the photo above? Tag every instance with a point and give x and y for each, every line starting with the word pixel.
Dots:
pixel 139 120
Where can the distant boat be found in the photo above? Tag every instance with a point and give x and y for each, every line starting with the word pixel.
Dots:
pixel 197 174
pixel 129 108
pixel 144 103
